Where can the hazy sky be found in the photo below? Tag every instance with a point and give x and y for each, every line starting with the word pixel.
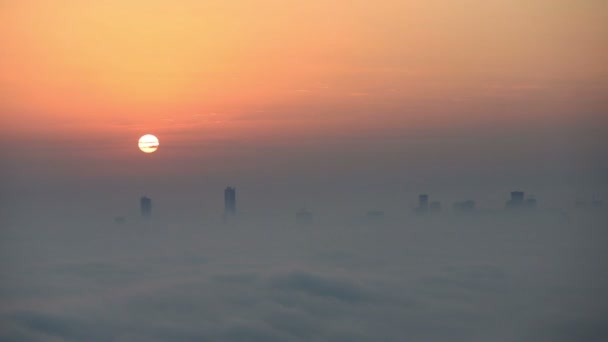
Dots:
pixel 335 106
pixel 310 98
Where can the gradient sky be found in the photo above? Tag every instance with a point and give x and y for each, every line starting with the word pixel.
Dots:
pixel 309 98
pixel 335 106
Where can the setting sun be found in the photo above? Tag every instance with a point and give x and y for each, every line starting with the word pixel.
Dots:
pixel 148 143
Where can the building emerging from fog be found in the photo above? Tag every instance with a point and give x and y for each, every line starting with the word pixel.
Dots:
pixel 145 206
pixel 230 201
pixel 518 201
pixel 423 204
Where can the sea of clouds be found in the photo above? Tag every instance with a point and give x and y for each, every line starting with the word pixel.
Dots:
pixel 422 279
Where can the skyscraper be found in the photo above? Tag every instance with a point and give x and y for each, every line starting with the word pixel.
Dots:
pixel 230 201
pixel 423 201
pixel 517 196
pixel 145 205
pixel 516 201
pixel 423 204
pixel 519 202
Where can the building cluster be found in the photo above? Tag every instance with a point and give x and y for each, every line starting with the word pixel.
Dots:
pixel 594 204
pixel 145 205
pixel 424 206
pixel 518 202
pixel 434 207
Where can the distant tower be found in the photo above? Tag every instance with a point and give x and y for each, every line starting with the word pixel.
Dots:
pixel 230 201
pixel 517 196
pixel 516 201
pixel 145 205
pixel 423 204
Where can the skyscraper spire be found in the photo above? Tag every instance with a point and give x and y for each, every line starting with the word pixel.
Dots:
pixel 145 206
pixel 230 201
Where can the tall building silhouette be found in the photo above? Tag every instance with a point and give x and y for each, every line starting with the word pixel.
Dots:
pixel 518 201
pixel 230 201
pixel 145 206
pixel 423 204
pixel 423 201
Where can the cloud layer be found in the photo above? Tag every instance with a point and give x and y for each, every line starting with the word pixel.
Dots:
pixel 462 281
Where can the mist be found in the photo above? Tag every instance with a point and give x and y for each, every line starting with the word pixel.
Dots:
pixel 501 275
pixel 404 170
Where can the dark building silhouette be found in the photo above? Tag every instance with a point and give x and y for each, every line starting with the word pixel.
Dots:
pixel 304 217
pixel 423 204
pixel 464 207
pixel 517 196
pixel 518 201
pixel 435 207
pixel 423 201
pixel 230 201
pixel 145 206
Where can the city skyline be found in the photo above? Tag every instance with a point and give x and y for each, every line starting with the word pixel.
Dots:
pixel 313 170
pixel 518 203
pixel 447 107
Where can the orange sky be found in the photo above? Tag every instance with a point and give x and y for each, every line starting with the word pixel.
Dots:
pixel 250 68
pixel 313 97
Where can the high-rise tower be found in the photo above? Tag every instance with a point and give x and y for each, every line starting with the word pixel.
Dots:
pixel 423 204
pixel 230 201
pixel 145 205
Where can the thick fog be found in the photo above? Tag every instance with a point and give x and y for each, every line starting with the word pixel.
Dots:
pixel 79 263
pixel 387 276
pixel 329 118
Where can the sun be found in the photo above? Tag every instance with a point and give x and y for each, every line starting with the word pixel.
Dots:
pixel 148 143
